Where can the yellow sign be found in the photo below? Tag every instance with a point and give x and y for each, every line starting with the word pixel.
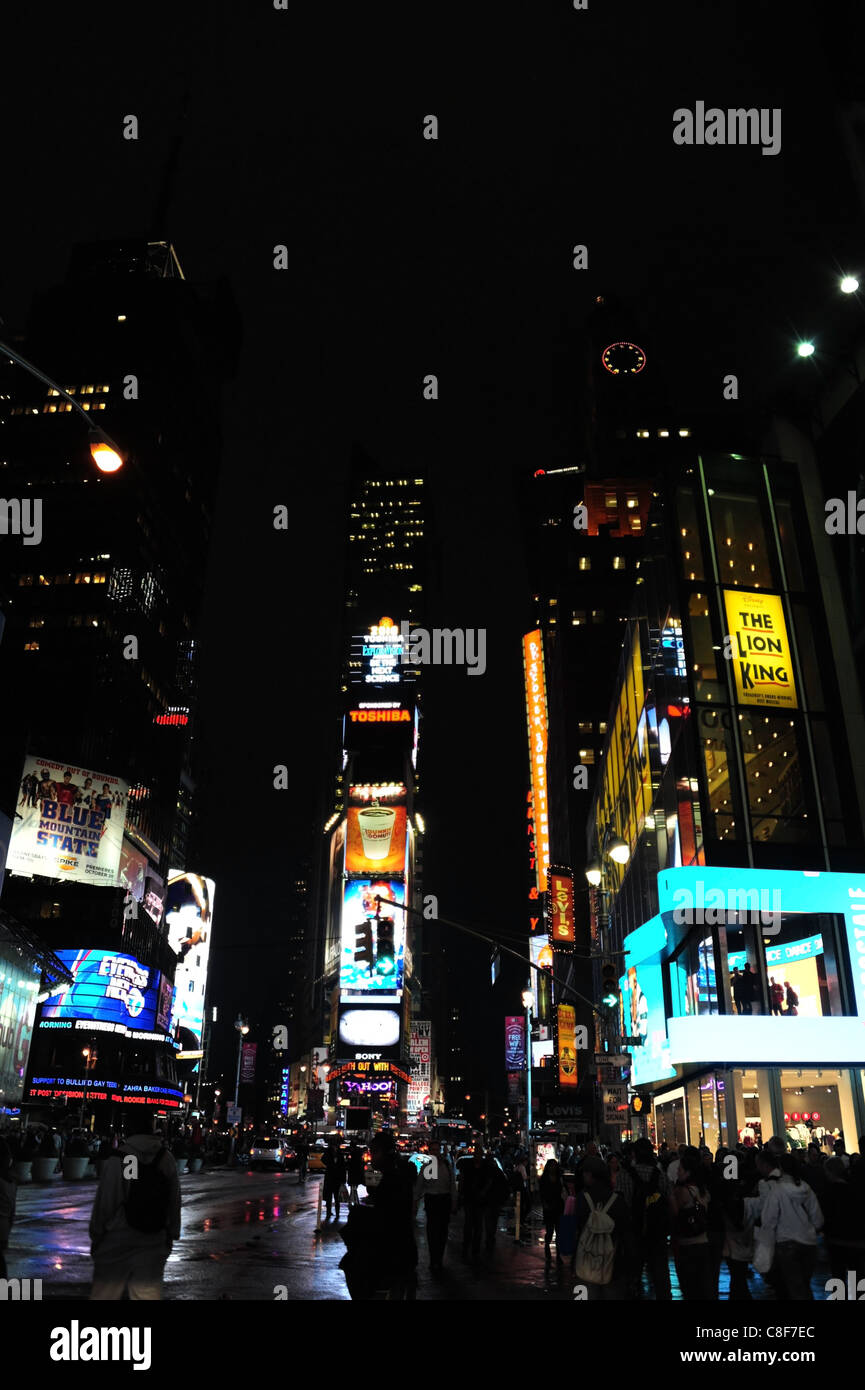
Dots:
pixel 536 714
pixel 567 1045
pixel 759 648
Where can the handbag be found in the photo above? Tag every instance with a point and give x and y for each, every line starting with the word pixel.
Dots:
pixel 764 1250
pixel 691 1221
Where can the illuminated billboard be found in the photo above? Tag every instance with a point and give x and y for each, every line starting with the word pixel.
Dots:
pixel 376 655
pixel 561 908
pixel 515 1042
pixel 189 915
pixel 373 951
pixel 133 871
pixel 19 985
pixel 567 1030
pixel 369 1034
pixel 536 717
pixel 625 797
pixel 642 990
pixel 107 987
pixel 164 1097
pixel 375 842
pixel 760 649
pixel 68 824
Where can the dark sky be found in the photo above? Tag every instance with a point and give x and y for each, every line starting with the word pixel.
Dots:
pixel 408 257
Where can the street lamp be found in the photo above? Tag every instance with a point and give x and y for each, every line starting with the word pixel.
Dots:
pixel 242 1027
pixel 849 284
pixel 107 455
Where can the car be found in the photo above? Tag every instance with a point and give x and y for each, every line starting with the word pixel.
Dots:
pixel 266 1148
pixel 316 1158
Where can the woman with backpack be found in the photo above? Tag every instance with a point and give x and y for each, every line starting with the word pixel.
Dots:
pixel 689 1208
pixel 604 1254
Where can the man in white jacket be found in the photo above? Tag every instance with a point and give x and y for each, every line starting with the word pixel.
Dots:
pixel 126 1256
pixel 791 1213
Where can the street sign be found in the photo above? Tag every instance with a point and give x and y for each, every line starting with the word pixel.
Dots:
pixel 616 1095
pixel 614 1059
pixel 233 1114
pixel 614 1115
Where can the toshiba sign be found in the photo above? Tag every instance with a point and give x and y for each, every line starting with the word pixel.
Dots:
pixel 379 716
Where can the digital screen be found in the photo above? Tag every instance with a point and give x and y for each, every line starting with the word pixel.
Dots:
pixel 189 915
pixel 373 951
pixel 370 1033
pixel 376 839
pixel 108 987
pixel 19 985
pixel 68 823
pixel 642 991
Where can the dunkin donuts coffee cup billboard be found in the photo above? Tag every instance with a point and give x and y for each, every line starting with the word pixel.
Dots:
pixel 376 840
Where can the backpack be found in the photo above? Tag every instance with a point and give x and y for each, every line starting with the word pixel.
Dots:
pixel 147 1206
pixel 596 1251
pixel 650 1210
pixel 691 1221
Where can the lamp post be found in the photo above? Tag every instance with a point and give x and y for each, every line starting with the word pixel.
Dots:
pixel 107 455
pixel 528 1005
pixel 242 1027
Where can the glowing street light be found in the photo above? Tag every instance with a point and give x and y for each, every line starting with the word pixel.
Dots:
pixel 805 349
pixel 849 284
pixel 107 455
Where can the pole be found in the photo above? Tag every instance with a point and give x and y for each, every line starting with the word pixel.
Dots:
pixel 236 1126
pixel 529 1081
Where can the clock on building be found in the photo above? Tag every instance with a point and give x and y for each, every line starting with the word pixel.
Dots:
pixel 623 359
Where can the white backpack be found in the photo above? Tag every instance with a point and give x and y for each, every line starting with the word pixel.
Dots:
pixel 596 1252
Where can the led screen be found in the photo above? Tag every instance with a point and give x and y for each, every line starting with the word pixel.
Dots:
pixel 643 1003
pixel 189 914
pixel 108 987
pixel 373 951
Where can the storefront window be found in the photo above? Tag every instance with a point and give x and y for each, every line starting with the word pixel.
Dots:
pixel 800 958
pixel 670 1121
pixel 818 1106
pixel 753 1106
pixel 707 1111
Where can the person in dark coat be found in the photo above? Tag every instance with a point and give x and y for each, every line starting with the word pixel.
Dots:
pixel 334 1174
pixel 8 1192
pixel 552 1193
pixel 381 1254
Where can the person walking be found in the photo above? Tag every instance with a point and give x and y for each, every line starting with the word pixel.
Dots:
pixel 8 1193
pixel 650 1212
pixel 472 1178
pixel 598 1205
pixel 552 1194
pixel 689 1205
pixel 749 991
pixel 381 1254
pixel 776 996
pixel 791 1215
pixel 436 1184
pixel 791 999
pixel 136 1216
pixel 334 1174
pixel 354 1171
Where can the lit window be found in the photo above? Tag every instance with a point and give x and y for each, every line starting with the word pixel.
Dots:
pixel 577 617
pixel 36 622
pixel 585 727
pixel 82 579
pixel 585 562
pixel 611 501
pixel 684 434
pixel 31 646
pixel 24 580
pixel 632 502
pixel 602 727
pixel 597 615
pixel 587 756
pixel 619 562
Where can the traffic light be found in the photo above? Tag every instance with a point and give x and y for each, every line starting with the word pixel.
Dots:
pixel 385 954
pixel 610 984
pixel 363 944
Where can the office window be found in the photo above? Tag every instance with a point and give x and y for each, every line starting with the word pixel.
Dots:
pixel 31 646
pixel 587 756
pixel 585 562
pixel 619 562
pixel 597 615
pixel 578 617
pixel 25 580
pixel 585 726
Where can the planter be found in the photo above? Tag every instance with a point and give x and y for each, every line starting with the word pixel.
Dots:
pixel 181 1164
pixel 75 1168
pixel 195 1165
pixel 24 1171
pixel 43 1169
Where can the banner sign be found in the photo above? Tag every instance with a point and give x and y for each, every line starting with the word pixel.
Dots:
pixel 515 1042
pixel 561 908
pixel 760 649
pixel 69 823
pixel 567 1019
pixel 247 1062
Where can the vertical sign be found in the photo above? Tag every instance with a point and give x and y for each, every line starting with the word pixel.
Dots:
pixel 247 1063
pixel 515 1042
pixel 561 908
pixel 536 716
pixel 566 1018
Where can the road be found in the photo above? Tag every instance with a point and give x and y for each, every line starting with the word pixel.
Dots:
pixel 246 1235
pixel 251 1236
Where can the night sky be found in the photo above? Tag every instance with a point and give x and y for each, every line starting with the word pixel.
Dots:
pixel 408 257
